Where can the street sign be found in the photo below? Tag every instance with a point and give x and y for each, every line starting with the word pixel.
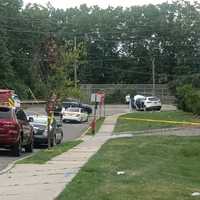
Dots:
pixel 95 98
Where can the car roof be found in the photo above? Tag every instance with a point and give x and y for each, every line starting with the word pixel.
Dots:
pixel 152 97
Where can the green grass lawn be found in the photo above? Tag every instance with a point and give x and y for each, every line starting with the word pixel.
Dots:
pixel 42 156
pixel 124 125
pixel 156 168
pixel 99 122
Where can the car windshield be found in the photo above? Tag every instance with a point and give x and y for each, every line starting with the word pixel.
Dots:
pixel 70 104
pixel 66 105
pixel 5 113
pixel 39 120
pixel 73 109
pixel 153 99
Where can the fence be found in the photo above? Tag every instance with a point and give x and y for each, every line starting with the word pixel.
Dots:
pixel 115 93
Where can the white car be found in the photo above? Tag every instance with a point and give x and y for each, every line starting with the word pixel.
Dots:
pixel 152 103
pixel 74 114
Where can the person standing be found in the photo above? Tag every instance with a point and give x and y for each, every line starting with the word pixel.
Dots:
pixel 127 98
pixel 128 101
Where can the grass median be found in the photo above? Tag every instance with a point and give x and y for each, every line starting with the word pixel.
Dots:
pixel 154 168
pixel 126 125
pixel 42 156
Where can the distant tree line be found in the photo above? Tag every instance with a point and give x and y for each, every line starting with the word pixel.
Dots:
pixel 40 47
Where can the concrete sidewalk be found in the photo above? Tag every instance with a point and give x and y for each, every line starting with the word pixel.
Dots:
pixel 46 182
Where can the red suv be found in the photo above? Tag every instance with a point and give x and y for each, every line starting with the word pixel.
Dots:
pixel 15 130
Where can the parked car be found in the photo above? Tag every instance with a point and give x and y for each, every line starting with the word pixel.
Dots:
pixel 74 104
pixel 40 126
pixel 152 103
pixel 140 102
pixel 15 130
pixel 57 110
pixel 86 107
pixel 74 114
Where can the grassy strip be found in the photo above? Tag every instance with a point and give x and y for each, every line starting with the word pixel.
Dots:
pixel 124 125
pixel 99 123
pixel 41 157
pixel 155 168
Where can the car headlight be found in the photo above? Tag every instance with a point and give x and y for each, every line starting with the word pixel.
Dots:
pixel 45 133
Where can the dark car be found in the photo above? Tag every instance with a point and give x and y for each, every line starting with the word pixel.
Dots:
pixel 87 108
pixel 39 123
pixel 57 110
pixel 15 130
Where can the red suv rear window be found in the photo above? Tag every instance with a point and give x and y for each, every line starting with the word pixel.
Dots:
pixel 5 113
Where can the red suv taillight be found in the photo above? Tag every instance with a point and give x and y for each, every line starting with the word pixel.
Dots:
pixel 11 127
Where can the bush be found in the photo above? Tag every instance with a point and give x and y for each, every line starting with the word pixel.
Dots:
pixel 188 99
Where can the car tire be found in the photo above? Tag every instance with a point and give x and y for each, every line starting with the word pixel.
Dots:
pixel 29 147
pixel 59 142
pixel 17 149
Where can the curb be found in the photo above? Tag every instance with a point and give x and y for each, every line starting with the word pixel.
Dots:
pixel 12 165
pixel 83 134
pixel 8 168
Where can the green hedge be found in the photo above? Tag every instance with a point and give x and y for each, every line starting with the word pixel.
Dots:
pixel 188 99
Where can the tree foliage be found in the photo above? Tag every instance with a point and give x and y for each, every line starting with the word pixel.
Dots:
pixel 39 46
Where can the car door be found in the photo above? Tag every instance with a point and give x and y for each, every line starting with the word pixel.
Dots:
pixel 26 127
pixel 84 115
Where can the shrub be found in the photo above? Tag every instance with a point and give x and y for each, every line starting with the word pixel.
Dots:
pixel 188 99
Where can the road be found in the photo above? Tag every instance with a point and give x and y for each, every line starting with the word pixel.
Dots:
pixel 71 131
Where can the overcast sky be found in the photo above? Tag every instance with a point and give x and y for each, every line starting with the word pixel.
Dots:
pixel 101 3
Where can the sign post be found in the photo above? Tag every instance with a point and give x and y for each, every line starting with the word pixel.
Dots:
pixel 101 97
pixel 97 98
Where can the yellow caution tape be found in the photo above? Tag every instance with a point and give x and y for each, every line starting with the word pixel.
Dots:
pixel 162 121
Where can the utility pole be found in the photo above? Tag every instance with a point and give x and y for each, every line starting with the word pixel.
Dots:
pixel 153 76
pixel 75 65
